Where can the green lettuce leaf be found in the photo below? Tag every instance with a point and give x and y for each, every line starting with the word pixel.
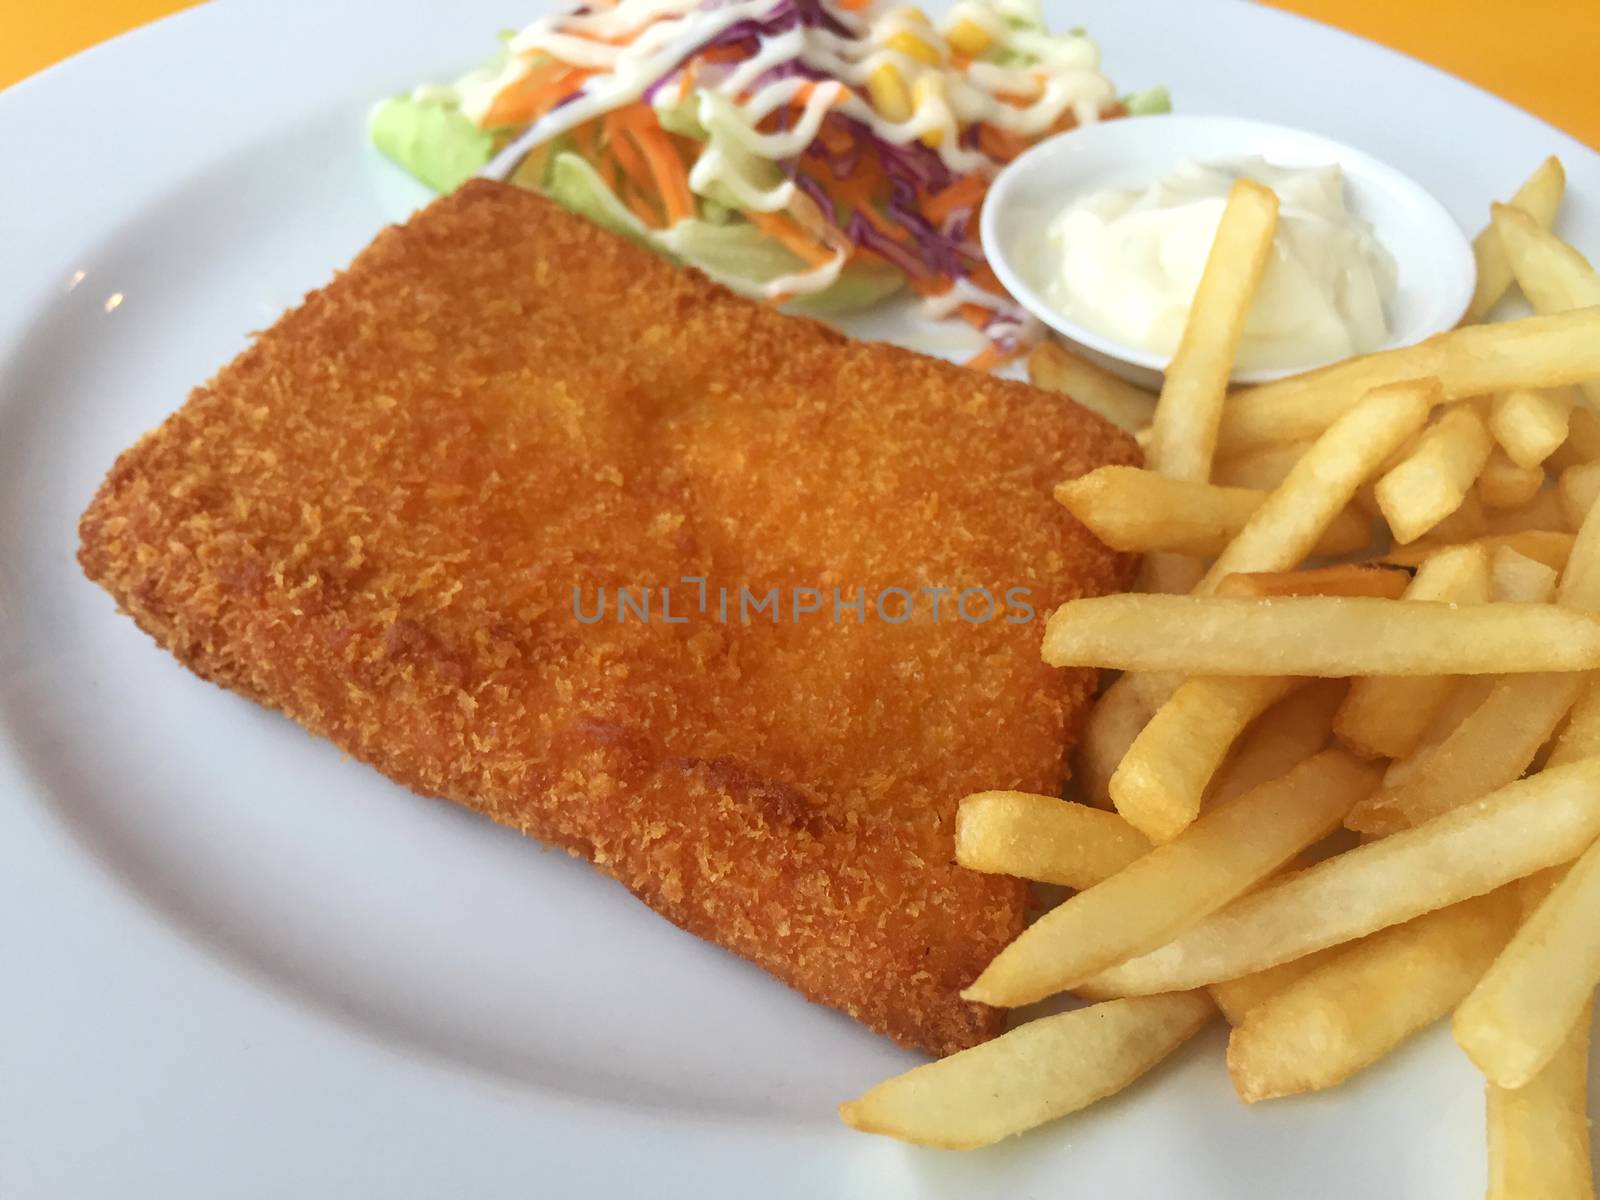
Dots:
pixel 572 183
pixel 739 253
pixel 1148 102
pixel 432 139
pixel 736 254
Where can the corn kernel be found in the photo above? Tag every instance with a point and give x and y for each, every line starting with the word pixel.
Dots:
pixel 913 15
pixel 887 88
pixel 968 37
pixel 928 89
pixel 913 47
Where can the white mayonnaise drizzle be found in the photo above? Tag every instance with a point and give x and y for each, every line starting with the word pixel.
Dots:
pixel 635 44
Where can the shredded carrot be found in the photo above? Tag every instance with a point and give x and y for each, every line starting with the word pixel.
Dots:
pixel 641 207
pixel 534 95
pixel 983 275
pixel 992 358
pixel 632 117
pixel 853 5
pixel 856 190
pixel 975 315
pixel 721 54
pixel 787 232
pixel 999 143
pixel 667 169
pixel 626 151
pixel 583 139
pixel 835 138
pixel 512 99
pixel 882 223
pixel 960 194
pixel 1067 120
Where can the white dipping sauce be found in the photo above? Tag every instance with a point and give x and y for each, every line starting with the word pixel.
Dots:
pixel 1128 264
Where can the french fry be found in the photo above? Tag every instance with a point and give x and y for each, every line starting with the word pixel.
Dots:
pixel 1162 779
pixel 1539 1133
pixel 1504 484
pixel 1583 441
pixel 1288 525
pixel 1580 737
pixel 1522 1010
pixel 1583 434
pixel 1044 838
pixel 1342 579
pixel 1550 547
pixel 1122 710
pixel 1539 197
pixel 1544 512
pixel 1491 747
pixel 1465 696
pixel 1238 997
pixel 1580 578
pixel 1036 1073
pixel 1432 483
pixel 1052 367
pixel 1160 793
pixel 1466 522
pixel 1354 1008
pixel 1552 275
pixel 1215 860
pixel 1537 822
pixel 1387 716
pixel 1283 737
pixel 1540 351
pixel 1530 424
pixel 1163 574
pixel 1495 1026
pixel 1318 635
pixel 1520 579
pixel 1139 511
pixel 1184 431
pixel 1263 468
pixel 1579 487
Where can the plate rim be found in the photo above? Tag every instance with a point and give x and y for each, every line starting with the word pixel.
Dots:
pixel 30 101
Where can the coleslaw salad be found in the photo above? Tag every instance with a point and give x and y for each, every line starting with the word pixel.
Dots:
pixel 811 152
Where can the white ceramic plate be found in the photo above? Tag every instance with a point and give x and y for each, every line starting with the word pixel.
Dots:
pixel 237 965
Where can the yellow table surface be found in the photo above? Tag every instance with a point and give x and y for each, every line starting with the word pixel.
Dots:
pixel 1539 54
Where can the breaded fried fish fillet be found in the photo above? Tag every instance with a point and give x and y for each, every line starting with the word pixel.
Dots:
pixel 395 516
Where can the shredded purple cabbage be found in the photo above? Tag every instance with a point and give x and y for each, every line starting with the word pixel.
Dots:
pixel 789 14
pixel 818 196
pixel 914 163
pixel 914 169
pixel 861 231
pixel 953 256
pixel 957 225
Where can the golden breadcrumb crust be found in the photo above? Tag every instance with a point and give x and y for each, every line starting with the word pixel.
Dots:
pixel 375 517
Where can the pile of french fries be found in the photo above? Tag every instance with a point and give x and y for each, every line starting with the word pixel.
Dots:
pixel 1348 781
